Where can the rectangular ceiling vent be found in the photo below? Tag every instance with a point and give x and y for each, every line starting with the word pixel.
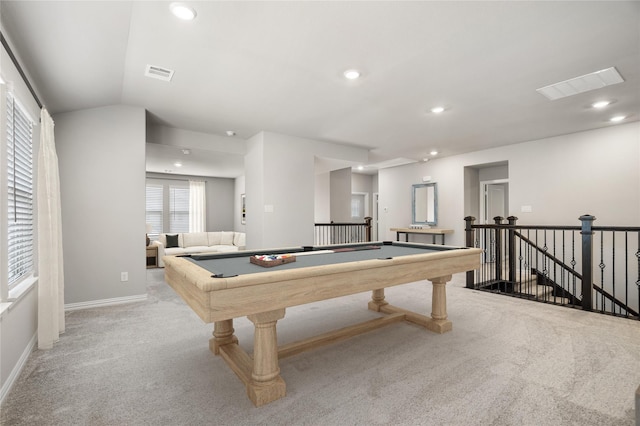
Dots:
pixel 584 83
pixel 158 72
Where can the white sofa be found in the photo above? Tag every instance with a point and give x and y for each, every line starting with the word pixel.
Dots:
pixel 199 242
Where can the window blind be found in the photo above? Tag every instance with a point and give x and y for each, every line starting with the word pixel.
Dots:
pixel 178 209
pixel 154 197
pixel 20 193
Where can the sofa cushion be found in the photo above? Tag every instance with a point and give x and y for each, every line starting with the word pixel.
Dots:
pixel 174 251
pixel 172 241
pixel 191 239
pixel 214 238
pixel 239 239
pixel 198 249
pixel 227 238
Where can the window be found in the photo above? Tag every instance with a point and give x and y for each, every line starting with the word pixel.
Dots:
pixel 154 209
pixel 178 209
pixel 20 239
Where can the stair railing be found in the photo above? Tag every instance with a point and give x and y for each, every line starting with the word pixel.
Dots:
pixel 342 233
pixel 531 261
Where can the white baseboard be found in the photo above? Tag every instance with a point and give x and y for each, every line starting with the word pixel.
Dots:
pixel 17 369
pixel 104 302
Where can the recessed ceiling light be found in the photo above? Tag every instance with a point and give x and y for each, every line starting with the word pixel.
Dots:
pixel 186 151
pixel 352 74
pixel 437 110
pixel 600 104
pixel 182 11
pixel 231 133
pixel 434 152
pixel 177 164
pixel 360 167
pixel 617 118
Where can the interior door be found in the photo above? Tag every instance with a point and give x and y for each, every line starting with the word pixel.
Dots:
pixel 495 204
pixel 357 208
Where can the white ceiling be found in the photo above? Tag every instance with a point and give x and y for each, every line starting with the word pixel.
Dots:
pixel 277 66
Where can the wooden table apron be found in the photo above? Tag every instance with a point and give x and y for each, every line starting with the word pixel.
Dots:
pixel 264 297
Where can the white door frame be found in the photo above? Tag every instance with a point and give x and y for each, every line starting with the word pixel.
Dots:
pixel 374 216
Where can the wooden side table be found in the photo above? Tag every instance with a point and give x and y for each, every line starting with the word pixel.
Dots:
pixel 152 256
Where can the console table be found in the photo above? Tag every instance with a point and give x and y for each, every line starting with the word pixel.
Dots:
pixel 432 231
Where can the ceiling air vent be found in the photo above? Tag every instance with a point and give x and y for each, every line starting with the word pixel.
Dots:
pixel 158 72
pixel 584 83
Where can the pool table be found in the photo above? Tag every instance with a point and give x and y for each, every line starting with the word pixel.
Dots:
pixel 221 287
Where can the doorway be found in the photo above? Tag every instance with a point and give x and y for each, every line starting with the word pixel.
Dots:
pixel 494 200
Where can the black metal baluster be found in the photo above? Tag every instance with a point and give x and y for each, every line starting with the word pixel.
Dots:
pixel 552 272
pixel 626 273
pixel 564 273
pixel 520 265
pixel 638 280
pixel 528 264
pixel 601 266
pixel 545 266
pixel 497 252
pixel 587 262
pixel 573 261
pixel 469 236
pixel 613 273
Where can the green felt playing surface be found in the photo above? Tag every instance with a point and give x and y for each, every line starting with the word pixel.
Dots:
pixel 229 265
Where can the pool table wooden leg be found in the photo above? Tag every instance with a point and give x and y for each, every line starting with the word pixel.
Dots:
pixel 222 335
pixel 265 385
pixel 439 323
pixel 377 300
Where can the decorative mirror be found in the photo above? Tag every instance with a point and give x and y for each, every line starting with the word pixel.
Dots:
pixel 424 203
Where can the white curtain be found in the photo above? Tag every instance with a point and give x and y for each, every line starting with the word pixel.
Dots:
pixel 50 266
pixel 197 206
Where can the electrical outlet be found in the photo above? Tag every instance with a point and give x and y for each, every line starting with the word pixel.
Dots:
pixel 124 276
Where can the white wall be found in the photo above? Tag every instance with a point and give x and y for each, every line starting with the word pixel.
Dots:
pixel 340 195
pixel 595 172
pixel 286 185
pixel 18 334
pixel 322 202
pixel 280 183
pixel 254 172
pixel 101 154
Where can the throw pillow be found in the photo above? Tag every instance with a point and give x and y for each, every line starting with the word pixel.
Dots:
pixel 172 240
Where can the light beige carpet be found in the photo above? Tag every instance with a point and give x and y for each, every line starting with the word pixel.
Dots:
pixel 506 362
